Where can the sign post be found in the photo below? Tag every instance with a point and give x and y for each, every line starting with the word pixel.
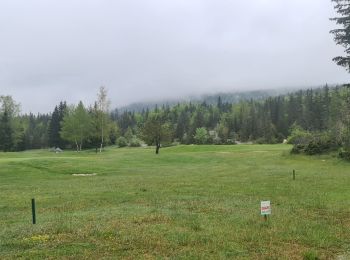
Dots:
pixel 265 209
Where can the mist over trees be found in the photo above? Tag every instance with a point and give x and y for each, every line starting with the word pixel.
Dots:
pixel 265 121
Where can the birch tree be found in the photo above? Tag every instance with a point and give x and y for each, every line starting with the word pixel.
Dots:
pixel 76 125
pixel 102 106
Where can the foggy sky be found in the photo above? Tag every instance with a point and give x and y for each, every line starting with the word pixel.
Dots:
pixel 147 49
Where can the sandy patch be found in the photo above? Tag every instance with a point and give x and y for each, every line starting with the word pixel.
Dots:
pixel 84 174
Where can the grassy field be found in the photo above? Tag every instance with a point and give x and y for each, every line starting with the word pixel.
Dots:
pixel 194 202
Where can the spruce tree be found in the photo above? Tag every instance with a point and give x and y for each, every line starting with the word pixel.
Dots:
pixel 6 133
pixel 342 35
pixel 54 129
pixel 55 126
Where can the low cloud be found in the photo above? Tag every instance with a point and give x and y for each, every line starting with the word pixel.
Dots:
pixel 65 50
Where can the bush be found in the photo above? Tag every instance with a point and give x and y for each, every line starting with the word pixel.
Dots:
pixel 217 140
pixel 168 144
pixel 122 142
pixel 264 140
pixel 210 140
pixel 260 140
pixel 316 143
pixel 201 135
pixel 298 148
pixel 135 142
pixel 186 139
pixel 230 141
pixel 344 154
pixel 299 136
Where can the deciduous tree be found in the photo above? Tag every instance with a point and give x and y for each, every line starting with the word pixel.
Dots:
pixel 102 117
pixel 156 131
pixel 76 125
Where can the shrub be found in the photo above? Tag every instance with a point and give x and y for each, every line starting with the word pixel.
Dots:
pixel 344 154
pixel 299 136
pixel 168 144
pixel 217 140
pixel 230 141
pixel 186 139
pixel 135 142
pixel 201 135
pixel 122 142
pixel 210 140
pixel 260 140
pixel 321 143
pixel 316 143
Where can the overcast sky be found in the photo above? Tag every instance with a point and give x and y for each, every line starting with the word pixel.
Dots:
pixel 148 49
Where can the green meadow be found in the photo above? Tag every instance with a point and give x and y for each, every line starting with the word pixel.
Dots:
pixel 188 202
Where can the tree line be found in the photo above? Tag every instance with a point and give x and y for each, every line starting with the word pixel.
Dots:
pixel 67 126
pixel 271 120
pixel 315 119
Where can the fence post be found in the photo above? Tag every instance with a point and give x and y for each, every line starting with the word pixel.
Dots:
pixel 33 211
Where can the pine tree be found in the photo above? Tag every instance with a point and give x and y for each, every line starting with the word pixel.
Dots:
pixel 342 35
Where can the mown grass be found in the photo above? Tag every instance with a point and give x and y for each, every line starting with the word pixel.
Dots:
pixel 195 202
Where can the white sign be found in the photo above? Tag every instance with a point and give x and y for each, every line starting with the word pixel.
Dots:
pixel 265 207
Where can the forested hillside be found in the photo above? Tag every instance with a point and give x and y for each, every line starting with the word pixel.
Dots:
pixel 268 120
pixel 210 99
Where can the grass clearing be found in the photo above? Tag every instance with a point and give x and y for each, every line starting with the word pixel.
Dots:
pixel 188 202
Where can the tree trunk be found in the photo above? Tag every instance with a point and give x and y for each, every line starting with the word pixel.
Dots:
pixel 76 143
pixel 101 135
pixel 157 148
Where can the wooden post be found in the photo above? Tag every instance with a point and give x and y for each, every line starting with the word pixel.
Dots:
pixel 33 211
pixel 293 175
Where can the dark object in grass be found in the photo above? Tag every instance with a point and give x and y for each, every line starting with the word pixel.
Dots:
pixel 33 211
